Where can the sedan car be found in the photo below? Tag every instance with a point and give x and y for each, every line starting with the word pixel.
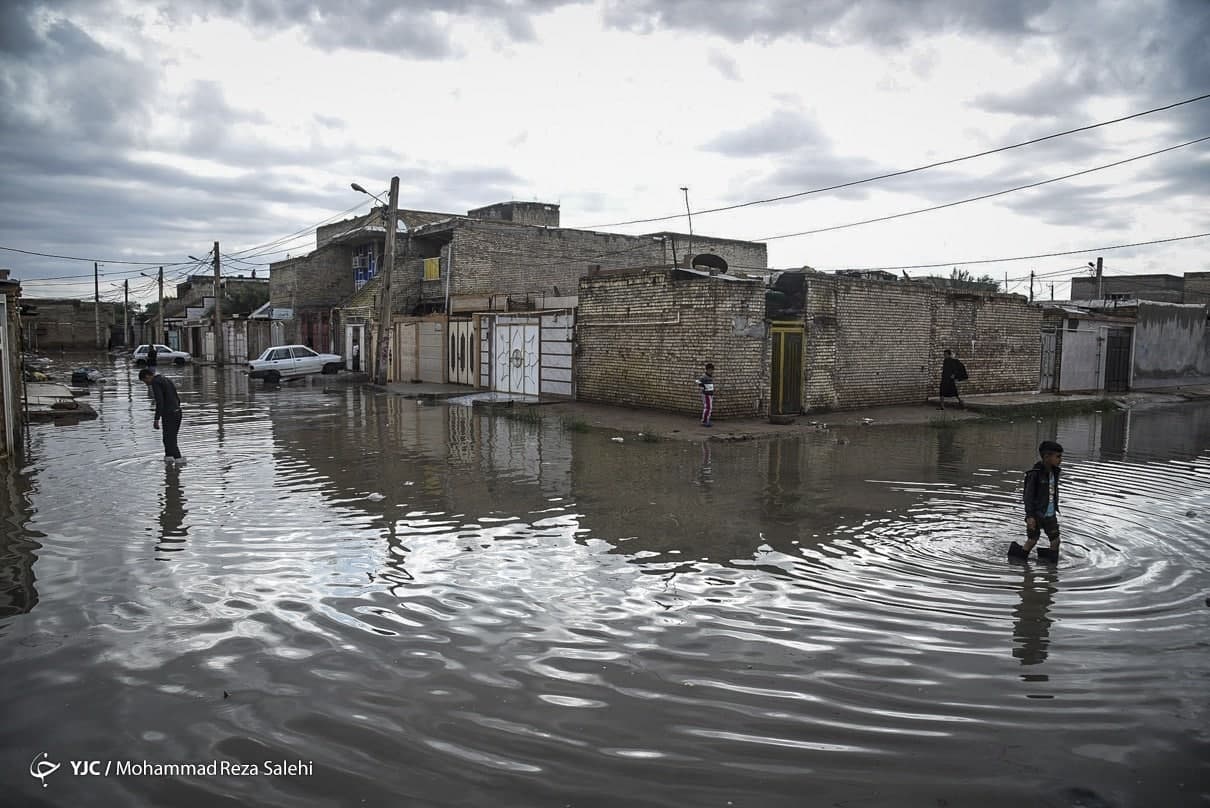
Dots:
pixel 162 354
pixel 285 361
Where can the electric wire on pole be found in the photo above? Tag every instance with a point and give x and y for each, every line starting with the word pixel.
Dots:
pixel 218 308
pixel 384 308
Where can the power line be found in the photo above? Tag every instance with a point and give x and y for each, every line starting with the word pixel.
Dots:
pixel 304 232
pixel 983 196
pixel 77 258
pixel 1030 257
pixel 904 172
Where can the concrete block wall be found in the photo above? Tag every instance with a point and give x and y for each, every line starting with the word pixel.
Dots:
pixel 872 343
pixel 642 337
pixel 1170 345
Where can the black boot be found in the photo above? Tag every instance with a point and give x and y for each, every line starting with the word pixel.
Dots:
pixel 1045 554
pixel 1017 551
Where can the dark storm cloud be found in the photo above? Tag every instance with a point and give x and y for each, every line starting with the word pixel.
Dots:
pixel 1154 52
pixel 75 119
pixel 417 28
pixel 882 22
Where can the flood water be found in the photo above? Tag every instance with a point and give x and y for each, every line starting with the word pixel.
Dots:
pixel 437 606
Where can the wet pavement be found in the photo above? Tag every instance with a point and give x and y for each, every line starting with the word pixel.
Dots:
pixel 437 605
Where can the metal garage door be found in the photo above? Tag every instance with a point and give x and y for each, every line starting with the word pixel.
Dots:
pixel 432 352
pixel 403 356
pixel 515 356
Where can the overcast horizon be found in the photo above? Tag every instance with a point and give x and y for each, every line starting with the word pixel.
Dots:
pixel 143 132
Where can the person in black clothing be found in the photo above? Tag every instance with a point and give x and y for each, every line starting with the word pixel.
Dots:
pixel 151 355
pixel 1041 500
pixel 168 409
pixel 952 371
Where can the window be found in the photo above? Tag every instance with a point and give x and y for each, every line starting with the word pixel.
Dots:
pixel 303 353
pixel 432 269
pixel 280 353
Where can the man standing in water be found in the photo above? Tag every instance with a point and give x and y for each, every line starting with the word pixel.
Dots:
pixel 167 408
pixel 1041 498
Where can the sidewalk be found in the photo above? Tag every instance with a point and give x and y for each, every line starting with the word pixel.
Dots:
pixel 681 426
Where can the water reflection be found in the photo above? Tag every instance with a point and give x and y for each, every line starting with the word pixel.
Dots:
pixel 446 607
pixel 18 593
pixel 173 530
pixel 1031 617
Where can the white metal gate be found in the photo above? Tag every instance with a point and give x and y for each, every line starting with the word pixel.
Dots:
pixel 461 353
pixel 355 348
pixel 516 356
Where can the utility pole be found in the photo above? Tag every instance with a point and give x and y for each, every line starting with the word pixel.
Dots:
pixel 1031 286
pixel 689 213
pixel 126 313
pixel 96 301
pixel 218 309
pixel 384 302
pixel 1052 290
pixel 159 312
pixel 1100 280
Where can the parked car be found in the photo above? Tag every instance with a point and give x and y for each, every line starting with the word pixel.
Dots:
pixel 162 354
pixel 285 361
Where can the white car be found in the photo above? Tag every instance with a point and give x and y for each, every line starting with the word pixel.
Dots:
pixel 284 361
pixel 162 354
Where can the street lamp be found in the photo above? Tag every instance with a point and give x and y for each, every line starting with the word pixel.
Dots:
pixel 359 189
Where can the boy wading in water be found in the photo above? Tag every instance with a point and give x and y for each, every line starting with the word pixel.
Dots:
pixel 168 410
pixel 705 383
pixel 1041 498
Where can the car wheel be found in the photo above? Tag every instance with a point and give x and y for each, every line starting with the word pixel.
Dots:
pixel 178 361
pixel 140 362
pixel 329 368
pixel 272 377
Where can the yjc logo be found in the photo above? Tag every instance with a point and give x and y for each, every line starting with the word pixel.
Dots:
pixel 42 768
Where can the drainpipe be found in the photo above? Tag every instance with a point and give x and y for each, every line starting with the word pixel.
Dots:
pixel 449 270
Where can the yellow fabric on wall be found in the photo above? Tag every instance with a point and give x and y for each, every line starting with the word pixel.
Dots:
pixel 432 269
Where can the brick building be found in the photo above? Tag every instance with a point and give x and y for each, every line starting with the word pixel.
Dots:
pixel 68 324
pixel 1191 288
pixel 643 335
pixel 809 341
pixel 190 315
pixel 505 257
pixel 11 384
pixel 871 342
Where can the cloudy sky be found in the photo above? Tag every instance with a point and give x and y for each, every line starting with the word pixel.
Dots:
pixel 144 131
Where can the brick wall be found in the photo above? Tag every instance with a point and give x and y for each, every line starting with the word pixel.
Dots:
pixel 1197 288
pixel 875 343
pixel 498 258
pixel 321 279
pixel 64 324
pixel 738 254
pixel 643 337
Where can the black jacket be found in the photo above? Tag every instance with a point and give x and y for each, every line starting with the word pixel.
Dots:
pixel 166 399
pixel 1037 495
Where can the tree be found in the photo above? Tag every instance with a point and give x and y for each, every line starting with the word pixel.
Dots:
pixel 963 279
